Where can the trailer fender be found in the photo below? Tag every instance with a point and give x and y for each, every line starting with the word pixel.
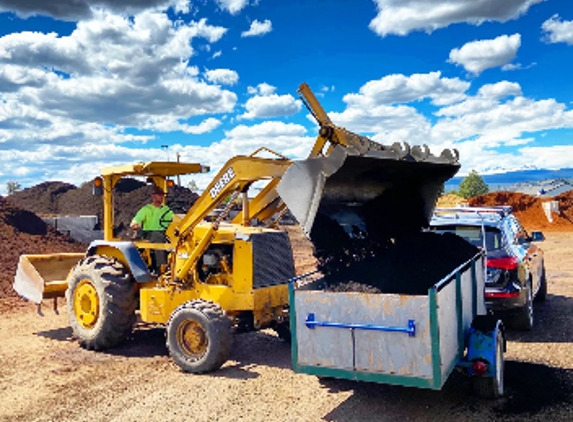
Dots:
pixel 482 338
pixel 126 253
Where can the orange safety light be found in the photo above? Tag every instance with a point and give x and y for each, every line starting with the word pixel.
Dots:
pixel 97 186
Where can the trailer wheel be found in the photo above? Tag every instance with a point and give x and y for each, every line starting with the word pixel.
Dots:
pixel 101 302
pixel 199 336
pixel 492 387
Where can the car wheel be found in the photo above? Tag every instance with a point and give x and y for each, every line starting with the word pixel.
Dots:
pixel 542 292
pixel 523 321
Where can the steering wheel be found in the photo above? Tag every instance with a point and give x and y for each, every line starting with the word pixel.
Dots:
pixel 164 221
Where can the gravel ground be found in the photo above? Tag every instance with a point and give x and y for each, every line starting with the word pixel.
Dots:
pixel 45 376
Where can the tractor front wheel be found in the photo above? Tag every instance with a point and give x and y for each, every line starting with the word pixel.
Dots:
pixel 101 302
pixel 199 336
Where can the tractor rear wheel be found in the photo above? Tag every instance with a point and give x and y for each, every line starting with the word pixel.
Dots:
pixel 101 302
pixel 199 336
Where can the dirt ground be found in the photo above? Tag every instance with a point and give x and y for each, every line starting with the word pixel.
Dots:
pixel 45 376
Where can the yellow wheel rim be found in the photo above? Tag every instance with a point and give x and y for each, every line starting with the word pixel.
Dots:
pixel 86 304
pixel 192 339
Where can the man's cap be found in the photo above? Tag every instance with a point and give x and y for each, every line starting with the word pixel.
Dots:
pixel 157 191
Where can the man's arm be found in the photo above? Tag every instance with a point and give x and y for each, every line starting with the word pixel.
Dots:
pixel 137 222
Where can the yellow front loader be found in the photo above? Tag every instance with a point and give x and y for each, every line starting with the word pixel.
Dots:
pixel 222 275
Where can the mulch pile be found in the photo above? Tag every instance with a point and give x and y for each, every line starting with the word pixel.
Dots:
pixel 22 231
pixel 529 211
pixel 406 264
pixel 50 198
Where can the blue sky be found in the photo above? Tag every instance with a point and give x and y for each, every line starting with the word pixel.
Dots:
pixel 87 84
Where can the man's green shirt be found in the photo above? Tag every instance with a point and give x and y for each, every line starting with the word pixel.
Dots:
pixel 151 218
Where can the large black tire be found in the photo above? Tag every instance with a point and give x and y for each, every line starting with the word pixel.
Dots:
pixel 199 336
pixel 101 302
pixel 492 388
pixel 523 319
pixel 542 292
pixel 283 331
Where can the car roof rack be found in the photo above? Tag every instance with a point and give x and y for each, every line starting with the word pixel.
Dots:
pixel 499 210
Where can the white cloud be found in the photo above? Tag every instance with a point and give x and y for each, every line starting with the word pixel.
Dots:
pixel 83 9
pixel 222 76
pixel 400 17
pixel 261 89
pixel 232 6
pixel 169 124
pixel 477 56
pixel 83 162
pixel 499 90
pixel 385 124
pixel 497 116
pixel 217 54
pixel 397 88
pixel 69 101
pixel 557 30
pixel 258 28
pixel 272 105
pixel 143 62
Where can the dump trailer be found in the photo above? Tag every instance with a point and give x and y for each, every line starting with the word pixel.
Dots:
pixel 223 275
pixel 389 302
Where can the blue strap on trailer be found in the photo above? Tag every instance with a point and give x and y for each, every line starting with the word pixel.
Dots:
pixel 410 329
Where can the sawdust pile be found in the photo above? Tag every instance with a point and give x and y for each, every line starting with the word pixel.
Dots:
pixel 23 232
pixel 529 210
pixel 450 200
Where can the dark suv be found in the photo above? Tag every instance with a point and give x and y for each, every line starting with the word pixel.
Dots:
pixel 515 267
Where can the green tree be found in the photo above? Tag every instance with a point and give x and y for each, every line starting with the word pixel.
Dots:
pixel 12 186
pixel 473 185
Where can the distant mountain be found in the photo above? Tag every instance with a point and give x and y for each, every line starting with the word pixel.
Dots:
pixel 513 177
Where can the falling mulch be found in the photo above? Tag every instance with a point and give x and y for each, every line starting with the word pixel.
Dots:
pixel 529 210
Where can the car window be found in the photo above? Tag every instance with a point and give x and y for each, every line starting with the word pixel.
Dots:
pixel 518 233
pixel 473 234
pixel 521 235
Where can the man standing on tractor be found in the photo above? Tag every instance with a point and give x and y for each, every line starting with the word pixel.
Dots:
pixel 153 219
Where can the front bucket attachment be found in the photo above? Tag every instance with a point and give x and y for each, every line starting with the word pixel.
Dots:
pixel 377 194
pixel 44 276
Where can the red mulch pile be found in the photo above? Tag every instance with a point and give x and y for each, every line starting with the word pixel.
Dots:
pixel 23 232
pixel 529 211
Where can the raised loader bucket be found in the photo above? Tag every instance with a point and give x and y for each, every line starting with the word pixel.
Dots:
pixel 44 276
pixel 376 194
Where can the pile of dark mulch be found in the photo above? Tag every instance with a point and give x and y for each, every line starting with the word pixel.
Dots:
pixel 23 232
pixel 130 195
pixel 42 199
